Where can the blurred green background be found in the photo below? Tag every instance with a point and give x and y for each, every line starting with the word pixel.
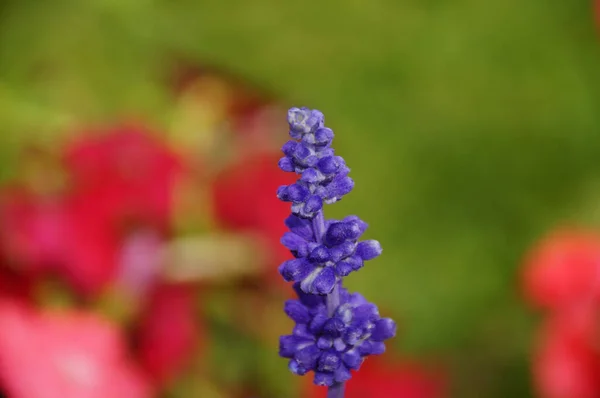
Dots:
pixel 471 127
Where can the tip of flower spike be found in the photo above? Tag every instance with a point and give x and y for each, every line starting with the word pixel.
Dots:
pixel 303 121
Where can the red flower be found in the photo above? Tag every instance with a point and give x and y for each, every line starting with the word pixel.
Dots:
pixel 567 362
pixel 244 200
pixel 122 181
pixel 124 175
pixel 167 333
pixel 32 230
pixel 64 355
pixel 563 270
pixel 377 379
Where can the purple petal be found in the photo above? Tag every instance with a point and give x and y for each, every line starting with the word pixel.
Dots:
pixel 339 345
pixel 343 250
pixel 343 268
pixel 377 348
pixel 336 234
pixel 366 312
pixel 308 356
pixel 310 176
pixel 297 192
pixel 295 270
pixel 333 327
pixel 301 330
pixel 286 164
pixel 323 136
pixel 289 148
pixel 282 193
pixel 296 368
pixel 298 312
pixel 361 224
pixel 324 343
pixel 340 186
pixel 316 325
pixel 328 165
pixel 301 152
pixel 300 227
pixel 342 374
pixel 348 265
pixel 324 282
pixel 313 204
pixel 323 379
pixel 319 255
pixel 352 335
pixel 293 241
pixel 352 359
pixel 368 249
pixel 288 345
pixel 385 328
pixel 309 300
pixel 329 361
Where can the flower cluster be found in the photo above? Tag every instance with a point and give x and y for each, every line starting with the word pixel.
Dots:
pixel 97 241
pixel 319 266
pixel 561 277
pixel 331 346
pixel 335 330
pixel 324 176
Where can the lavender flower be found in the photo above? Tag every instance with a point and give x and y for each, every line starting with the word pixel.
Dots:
pixel 319 266
pixel 332 345
pixel 335 330
pixel 324 176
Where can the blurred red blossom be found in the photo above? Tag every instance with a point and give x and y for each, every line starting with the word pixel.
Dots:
pixel 377 378
pixel 563 270
pixel 567 360
pixel 562 275
pixel 122 181
pixel 244 199
pixel 167 332
pixel 124 175
pixel 32 229
pixel 64 355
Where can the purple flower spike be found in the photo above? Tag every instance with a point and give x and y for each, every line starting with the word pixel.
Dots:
pixel 335 330
pixel 335 344
pixel 309 154
pixel 319 266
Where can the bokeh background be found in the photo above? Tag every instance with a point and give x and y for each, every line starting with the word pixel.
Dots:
pixel 153 127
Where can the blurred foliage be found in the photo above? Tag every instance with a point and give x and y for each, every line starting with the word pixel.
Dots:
pixel 471 127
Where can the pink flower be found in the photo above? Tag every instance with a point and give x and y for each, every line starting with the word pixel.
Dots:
pixel 64 355
pixel 563 270
pixel 567 361
pixel 140 263
pixel 167 333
